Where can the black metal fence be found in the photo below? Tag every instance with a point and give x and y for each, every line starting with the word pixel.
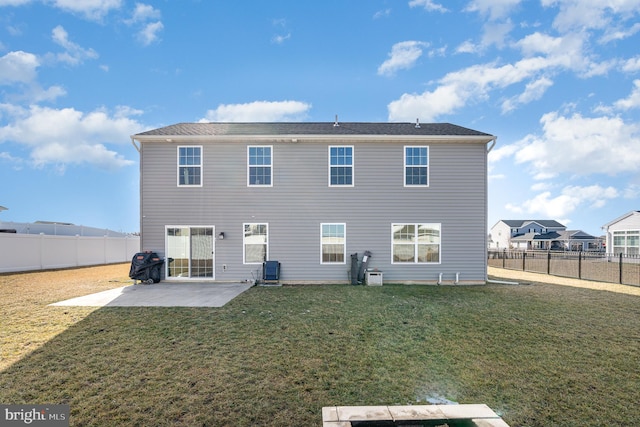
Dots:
pixel 598 266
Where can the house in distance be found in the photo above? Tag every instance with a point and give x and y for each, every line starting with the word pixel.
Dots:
pixel 217 200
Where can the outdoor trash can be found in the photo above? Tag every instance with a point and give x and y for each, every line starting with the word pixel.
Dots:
pixel 146 267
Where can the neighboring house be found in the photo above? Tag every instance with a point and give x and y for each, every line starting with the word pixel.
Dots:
pixel 541 235
pixel 504 231
pixel 219 199
pixel 568 240
pixel 623 234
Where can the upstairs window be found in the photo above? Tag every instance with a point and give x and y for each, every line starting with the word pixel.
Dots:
pixel 260 166
pixel 190 166
pixel 341 166
pixel 416 166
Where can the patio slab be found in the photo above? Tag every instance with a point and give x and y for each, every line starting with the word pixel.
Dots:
pixel 162 295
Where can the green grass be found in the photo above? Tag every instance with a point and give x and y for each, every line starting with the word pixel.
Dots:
pixel 540 355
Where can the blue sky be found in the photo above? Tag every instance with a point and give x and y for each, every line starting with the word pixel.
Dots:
pixel 558 81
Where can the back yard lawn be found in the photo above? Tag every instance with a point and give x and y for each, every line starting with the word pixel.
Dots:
pixel 539 354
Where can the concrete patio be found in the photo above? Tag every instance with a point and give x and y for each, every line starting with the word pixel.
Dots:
pixel 162 295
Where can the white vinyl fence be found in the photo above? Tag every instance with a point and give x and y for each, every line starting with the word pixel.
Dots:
pixel 26 252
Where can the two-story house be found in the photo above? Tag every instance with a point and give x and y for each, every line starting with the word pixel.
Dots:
pixel 218 199
pixel 539 234
pixel 505 230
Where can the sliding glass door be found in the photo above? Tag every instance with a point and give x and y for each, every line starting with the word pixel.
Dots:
pixel 190 252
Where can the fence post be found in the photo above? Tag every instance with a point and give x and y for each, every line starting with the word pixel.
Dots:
pixel 548 262
pixel 524 258
pixel 504 256
pixel 580 264
pixel 620 265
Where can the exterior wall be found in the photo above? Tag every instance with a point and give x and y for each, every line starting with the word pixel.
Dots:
pixel 501 236
pixel 300 200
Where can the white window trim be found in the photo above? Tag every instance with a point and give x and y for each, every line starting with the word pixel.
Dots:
pixel 249 166
pixel 352 166
pixel 244 244
pixel 179 166
pixel 404 166
pixel 415 244
pixel 344 245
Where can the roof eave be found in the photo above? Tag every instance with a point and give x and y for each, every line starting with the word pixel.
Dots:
pixel 296 138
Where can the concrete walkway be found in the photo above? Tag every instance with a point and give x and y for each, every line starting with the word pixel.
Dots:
pixel 162 295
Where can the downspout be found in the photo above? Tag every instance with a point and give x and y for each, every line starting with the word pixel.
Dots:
pixel 139 150
pixel 486 209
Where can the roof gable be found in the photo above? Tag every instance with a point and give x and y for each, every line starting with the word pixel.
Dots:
pixel 621 218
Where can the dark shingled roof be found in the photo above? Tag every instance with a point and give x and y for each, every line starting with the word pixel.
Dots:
pixel 311 128
pixel 517 223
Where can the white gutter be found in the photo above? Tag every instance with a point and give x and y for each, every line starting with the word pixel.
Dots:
pixel 133 141
pixel 303 138
pixel 495 139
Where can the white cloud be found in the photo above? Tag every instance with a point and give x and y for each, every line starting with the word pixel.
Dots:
pixel 495 9
pixel 16 162
pixel 283 34
pixel 143 13
pixel 493 34
pixel 149 33
pixel 540 186
pixel 141 17
pixel 532 92
pixel 631 192
pixel 382 13
pixel 68 136
pixel 502 152
pixel 514 208
pixel 19 70
pixel 591 14
pixel 496 34
pixel 74 54
pixel 18 67
pixel 569 200
pixel 279 39
pixel 581 146
pixel 631 65
pixel 612 34
pixel 91 9
pixel 403 56
pixel 428 105
pixel 37 94
pixel 467 46
pixel 457 89
pixel 632 101
pixel 460 88
pixel 258 111
pixel 429 5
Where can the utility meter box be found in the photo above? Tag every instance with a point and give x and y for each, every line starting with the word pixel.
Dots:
pixel 373 278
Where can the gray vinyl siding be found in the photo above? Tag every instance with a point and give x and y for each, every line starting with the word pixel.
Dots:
pixel 301 199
